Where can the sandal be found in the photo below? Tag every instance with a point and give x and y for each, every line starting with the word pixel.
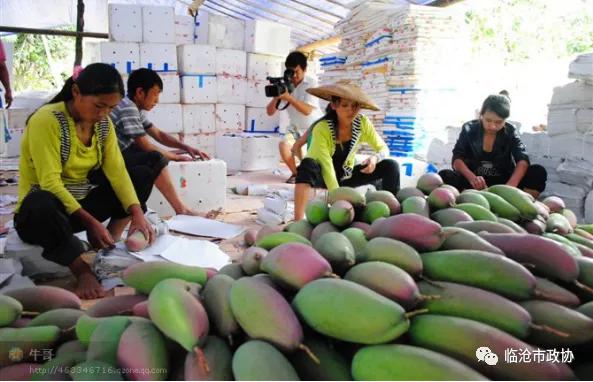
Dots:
pixel 291 180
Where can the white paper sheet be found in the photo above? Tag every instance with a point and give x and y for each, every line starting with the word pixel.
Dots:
pixel 198 226
pixel 199 253
pixel 5 276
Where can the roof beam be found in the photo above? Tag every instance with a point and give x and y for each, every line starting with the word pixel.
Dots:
pixel 335 40
pixel 321 19
pixel 53 32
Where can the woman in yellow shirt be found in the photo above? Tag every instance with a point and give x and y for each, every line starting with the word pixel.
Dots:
pixel 73 177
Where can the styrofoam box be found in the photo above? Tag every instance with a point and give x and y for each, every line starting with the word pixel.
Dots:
pixel 198 119
pixel 200 184
pixel 260 66
pixel 196 59
pixel 203 142
pixel 230 118
pixel 258 120
pixel 158 57
pixel 231 89
pixel 569 120
pixel 226 32
pixel 202 26
pixel 124 56
pixel 171 88
pixel 199 88
pixel 166 117
pixel 229 61
pixel 256 93
pixel 267 37
pixel 185 29
pixel 125 22
pixel 16 120
pixel 248 152
pixel 158 24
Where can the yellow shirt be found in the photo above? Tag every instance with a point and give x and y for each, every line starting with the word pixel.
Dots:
pixel 41 165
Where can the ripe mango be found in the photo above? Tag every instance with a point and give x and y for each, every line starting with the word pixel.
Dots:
pixel 350 312
pixel 178 313
pixel 348 194
pixel 278 238
pixel 105 339
pixel 146 275
pixel 251 260
pixel 217 356
pixel 441 198
pixel 317 212
pixel 416 205
pixel 387 280
pixel 448 217
pixel 263 313
pixel 57 368
pixel 511 224
pixel 549 291
pixel 459 338
pixel 322 229
pixel 528 249
pixel 557 223
pixel 476 304
pixel 116 305
pixel 477 212
pixel 42 298
pixel 142 353
pixel 375 210
pixel 10 310
pixel 62 318
pixel 302 227
pixel 358 239
pixel 393 252
pixel 415 230
pixel 481 269
pixel 295 265
pixel 578 326
pixel 519 199
pixel 341 213
pixel 554 203
pixel 461 238
pixel 260 361
pixel 385 197
pixel 407 192
pixel 428 182
pixel 484 225
pixel 336 248
pixel 501 207
pixel 473 197
pixel 215 297
pixel 233 270
pixel 408 363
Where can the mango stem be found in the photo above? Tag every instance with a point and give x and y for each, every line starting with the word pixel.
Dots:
pixel 583 287
pixel 428 297
pixel 415 313
pixel 202 361
pixel 332 275
pixel 308 351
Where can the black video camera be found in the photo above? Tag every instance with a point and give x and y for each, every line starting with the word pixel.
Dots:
pixel 279 85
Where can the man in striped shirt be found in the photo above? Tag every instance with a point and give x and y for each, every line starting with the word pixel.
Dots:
pixel 133 129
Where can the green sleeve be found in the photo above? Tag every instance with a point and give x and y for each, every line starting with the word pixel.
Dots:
pixel 115 170
pixel 44 146
pixel 320 151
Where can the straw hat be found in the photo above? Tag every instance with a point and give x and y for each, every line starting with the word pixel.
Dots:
pixel 346 90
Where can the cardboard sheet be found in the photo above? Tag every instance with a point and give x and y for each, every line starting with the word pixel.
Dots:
pixel 198 226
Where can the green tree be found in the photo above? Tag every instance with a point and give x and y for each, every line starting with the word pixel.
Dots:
pixel 42 62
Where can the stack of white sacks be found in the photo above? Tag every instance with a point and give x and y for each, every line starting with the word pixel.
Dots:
pixel 565 148
pixel 401 56
pixel 214 71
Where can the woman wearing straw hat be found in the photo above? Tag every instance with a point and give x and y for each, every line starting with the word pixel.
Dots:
pixel 336 138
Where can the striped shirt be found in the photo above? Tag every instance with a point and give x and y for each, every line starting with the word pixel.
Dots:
pixel 129 122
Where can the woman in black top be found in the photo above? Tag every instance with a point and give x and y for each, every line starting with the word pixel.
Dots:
pixel 489 151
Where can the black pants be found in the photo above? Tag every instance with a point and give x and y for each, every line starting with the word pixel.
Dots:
pixel 135 156
pixel 385 176
pixel 42 218
pixel 535 178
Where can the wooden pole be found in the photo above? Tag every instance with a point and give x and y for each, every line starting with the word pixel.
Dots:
pixel 52 32
pixel 79 29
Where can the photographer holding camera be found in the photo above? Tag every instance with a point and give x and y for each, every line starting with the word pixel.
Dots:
pixel 302 107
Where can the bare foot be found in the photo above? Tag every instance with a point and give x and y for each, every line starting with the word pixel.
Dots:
pixel 213 214
pixel 88 287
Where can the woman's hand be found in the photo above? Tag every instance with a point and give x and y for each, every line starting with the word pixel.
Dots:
pixel 98 236
pixel 139 223
pixel 369 165
pixel 478 183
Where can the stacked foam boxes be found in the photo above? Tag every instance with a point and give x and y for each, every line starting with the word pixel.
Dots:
pixel 565 149
pixel 397 54
pixel 256 148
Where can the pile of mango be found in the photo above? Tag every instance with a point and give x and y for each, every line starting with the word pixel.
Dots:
pixel 367 287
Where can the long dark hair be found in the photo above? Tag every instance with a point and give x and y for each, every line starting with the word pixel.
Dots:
pixel 95 79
